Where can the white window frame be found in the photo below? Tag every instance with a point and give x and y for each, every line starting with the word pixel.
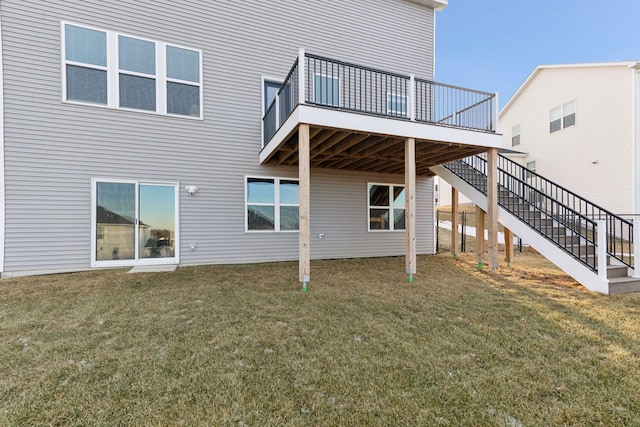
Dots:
pixel 276 203
pixel 563 115
pixel 113 73
pixel 395 112
pixel 516 131
pixel 136 261
pixel 327 77
pixel 390 207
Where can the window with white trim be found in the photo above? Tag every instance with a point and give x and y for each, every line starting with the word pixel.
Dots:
pixel 119 71
pixel 515 135
pixel 272 204
pixel 562 117
pixel 386 207
pixel 531 167
pixel 326 90
pixel 396 104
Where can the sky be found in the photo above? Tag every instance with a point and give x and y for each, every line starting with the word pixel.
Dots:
pixel 493 45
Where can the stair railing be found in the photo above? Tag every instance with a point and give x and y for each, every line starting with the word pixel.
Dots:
pixel 550 208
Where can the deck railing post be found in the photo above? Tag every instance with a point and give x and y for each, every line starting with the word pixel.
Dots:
pixel 494 113
pixel 301 76
pixel 412 98
pixel 636 248
pixel 601 248
pixel 277 106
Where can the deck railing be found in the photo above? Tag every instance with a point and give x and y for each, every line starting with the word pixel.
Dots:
pixel 329 83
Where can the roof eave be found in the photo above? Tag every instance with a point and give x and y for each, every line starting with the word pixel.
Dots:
pixel 438 5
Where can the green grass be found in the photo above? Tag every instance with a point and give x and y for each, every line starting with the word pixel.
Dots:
pixel 242 345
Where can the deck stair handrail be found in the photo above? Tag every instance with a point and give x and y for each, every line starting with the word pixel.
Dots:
pixel 344 86
pixel 560 215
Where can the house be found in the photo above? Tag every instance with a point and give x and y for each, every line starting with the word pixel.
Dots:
pixel 578 125
pixel 139 132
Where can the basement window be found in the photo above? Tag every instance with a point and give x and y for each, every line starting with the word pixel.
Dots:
pixel 272 204
pixel 386 206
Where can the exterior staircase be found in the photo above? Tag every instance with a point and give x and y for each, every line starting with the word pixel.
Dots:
pixel 591 244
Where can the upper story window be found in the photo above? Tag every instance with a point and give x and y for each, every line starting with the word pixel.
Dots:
pixel 562 116
pixel 326 90
pixel 515 135
pixel 270 91
pixel 272 204
pixel 386 207
pixel 118 71
pixel 396 104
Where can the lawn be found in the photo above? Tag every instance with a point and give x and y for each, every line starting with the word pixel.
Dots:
pixel 242 345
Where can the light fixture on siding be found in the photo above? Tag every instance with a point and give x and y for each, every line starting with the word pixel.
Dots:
pixel 191 189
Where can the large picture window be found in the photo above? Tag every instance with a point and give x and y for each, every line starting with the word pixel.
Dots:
pixel 272 204
pixel 119 71
pixel 386 205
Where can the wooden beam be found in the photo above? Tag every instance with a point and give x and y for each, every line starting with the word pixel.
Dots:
pixel 304 176
pixel 492 206
pixel 479 236
pixel 508 246
pixel 454 221
pixel 410 205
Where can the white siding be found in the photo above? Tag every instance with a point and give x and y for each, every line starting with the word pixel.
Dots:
pixel 53 149
pixel 594 158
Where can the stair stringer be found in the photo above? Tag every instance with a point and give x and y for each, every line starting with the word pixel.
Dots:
pixel 574 268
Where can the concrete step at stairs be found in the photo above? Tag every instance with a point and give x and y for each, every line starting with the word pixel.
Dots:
pixel 618 285
pixel 616 271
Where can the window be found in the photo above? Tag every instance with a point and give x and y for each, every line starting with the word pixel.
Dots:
pixel 326 90
pixel 272 204
pixel 562 117
pixel 386 206
pixel 119 71
pixel 269 94
pixel 515 135
pixel 396 104
pixel 531 166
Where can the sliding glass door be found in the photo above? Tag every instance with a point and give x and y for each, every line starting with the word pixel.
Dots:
pixel 134 223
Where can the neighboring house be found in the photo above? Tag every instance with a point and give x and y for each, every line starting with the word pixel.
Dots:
pixel 141 132
pixel 578 125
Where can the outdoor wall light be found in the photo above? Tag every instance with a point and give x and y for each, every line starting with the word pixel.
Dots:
pixel 191 189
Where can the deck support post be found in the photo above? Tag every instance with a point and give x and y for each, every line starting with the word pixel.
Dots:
pixel 304 177
pixel 492 207
pixel 454 221
pixel 410 205
pixel 636 248
pixel 508 246
pixel 479 236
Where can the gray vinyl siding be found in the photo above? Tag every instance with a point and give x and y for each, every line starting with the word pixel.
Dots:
pixel 53 149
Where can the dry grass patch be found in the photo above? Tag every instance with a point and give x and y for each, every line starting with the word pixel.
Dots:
pixel 242 345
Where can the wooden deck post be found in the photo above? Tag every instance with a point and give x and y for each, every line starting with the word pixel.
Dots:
pixel 479 236
pixel 410 205
pixel 492 206
pixel 304 176
pixel 508 246
pixel 454 221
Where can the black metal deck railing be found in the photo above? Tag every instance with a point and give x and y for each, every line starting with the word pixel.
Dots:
pixel 340 85
pixel 562 216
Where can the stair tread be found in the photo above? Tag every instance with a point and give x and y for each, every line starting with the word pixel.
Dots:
pixel 626 279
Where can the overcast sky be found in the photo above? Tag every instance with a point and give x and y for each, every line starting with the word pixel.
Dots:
pixel 493 45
